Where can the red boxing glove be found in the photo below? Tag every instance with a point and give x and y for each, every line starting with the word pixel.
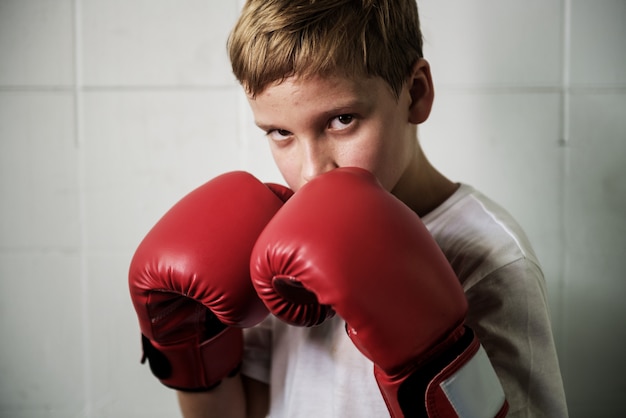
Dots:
pixel 342 243
pixel 190 280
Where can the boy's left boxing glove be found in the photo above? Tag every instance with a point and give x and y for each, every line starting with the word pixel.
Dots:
pixel 342 243
pixel 190 281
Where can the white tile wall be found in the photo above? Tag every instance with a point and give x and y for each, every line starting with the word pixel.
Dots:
pixel 483 43
pixel 39 174
pixel 142 149
pixel 36 40
pixel 111 110
pixel 42 350
pixel 156 43
pixel 595 213
pixel 597 39
pixel 594 210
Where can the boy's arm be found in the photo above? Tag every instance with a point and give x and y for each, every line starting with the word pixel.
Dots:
pixel 227 400
pixel 235 397
pixel 257 397
pixel 509 313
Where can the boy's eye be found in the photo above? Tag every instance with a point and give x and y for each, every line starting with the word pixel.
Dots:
pixel 341 121
pixel 278 134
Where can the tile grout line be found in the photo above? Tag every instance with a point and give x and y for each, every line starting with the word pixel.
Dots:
pixel 564 143
pixel 79 142
pixel 116 88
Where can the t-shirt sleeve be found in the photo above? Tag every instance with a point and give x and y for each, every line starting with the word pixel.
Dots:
pixel 508 311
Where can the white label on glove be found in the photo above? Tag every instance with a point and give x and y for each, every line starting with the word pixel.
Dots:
pixel 475 390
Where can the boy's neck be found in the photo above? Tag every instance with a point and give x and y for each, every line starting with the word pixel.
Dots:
pixel 422 187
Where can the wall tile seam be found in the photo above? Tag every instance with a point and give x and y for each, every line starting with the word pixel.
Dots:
pixel 555 89
pixel 47 251
pixel 118 88
pixel 559 315
pixel 81 183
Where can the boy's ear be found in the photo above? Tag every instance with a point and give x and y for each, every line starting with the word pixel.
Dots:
pixel 421 90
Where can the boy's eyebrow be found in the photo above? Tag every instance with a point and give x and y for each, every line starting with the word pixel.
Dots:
pixel 264 126
pixel 357 104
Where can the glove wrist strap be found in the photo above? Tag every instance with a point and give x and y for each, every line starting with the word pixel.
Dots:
pixel 192 366
pixel 459 383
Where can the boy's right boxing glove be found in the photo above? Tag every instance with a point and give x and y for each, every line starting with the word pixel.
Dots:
pixel 190 281
pixel 343 244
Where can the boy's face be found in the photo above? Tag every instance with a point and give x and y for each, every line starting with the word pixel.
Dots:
pixel 317 124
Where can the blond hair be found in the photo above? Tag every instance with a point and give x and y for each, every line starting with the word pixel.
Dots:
pixel 277 39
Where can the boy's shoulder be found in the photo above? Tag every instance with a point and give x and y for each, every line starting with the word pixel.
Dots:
pixel 476 234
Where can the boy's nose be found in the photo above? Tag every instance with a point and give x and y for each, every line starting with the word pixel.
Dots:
pixel 316 161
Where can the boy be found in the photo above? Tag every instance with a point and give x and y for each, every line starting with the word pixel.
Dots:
pixel 344 83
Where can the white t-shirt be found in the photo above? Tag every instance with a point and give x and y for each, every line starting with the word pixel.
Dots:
pixel 318 371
